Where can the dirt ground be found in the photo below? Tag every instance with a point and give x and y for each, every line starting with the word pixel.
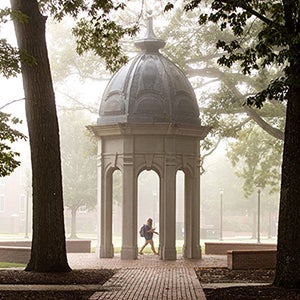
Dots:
pixel 90 276
pixel 219 276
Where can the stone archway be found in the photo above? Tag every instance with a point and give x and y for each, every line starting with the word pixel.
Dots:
pixel 166 149
pixel 148 201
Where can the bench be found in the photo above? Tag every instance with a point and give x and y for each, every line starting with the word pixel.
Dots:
pixel 221 248
pixel 251 259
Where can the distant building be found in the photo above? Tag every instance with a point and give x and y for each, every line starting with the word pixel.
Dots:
pixel 16 207
pixel 15 203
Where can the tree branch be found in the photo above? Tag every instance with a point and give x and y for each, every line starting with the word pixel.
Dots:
pixel 11 102
pixel 213 73
pixel 243 4
pixel 81 106
pixel 202 170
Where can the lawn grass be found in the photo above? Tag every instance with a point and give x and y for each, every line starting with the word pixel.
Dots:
pixel 5 265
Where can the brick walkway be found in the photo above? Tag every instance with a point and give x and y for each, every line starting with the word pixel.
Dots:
pixel 148 277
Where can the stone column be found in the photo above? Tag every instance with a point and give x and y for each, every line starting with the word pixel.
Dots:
pixel 168 215
pixel 106 249
pixel 161 209
pixel 129 228
pixel 191 248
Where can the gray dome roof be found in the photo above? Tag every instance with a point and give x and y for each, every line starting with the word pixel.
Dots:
pixel 149 89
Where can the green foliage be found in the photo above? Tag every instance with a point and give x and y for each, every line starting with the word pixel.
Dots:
pixel 225 109
pixel 74 8
pixel 277 89
pixel 96 30
pixel 193 49
pixel 9 59
pixel 274 44
pixel 79 165
pixel 8 161
pixel 10 56
pixel 257 159
pixel 168 7
pixel 103 36
pixel 65 61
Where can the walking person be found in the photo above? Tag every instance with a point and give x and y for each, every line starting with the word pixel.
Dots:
pixel 147 232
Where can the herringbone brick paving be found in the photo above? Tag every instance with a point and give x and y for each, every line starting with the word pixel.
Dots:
pixel 148 277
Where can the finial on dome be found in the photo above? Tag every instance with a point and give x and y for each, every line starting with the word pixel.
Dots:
pixel 150 43
pixel 150 31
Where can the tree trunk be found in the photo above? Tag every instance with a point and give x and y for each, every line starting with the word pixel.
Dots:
pixel 288 253
pixel 73 234
pixel 48 252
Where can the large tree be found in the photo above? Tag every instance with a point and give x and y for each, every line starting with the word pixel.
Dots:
pixel 276 44
pixel 48 252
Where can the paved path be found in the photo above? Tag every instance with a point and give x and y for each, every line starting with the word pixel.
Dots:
pixel 148 277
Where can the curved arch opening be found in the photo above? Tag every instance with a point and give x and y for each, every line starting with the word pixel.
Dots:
pixel 180 195
pixel 117 196
pixel 148 204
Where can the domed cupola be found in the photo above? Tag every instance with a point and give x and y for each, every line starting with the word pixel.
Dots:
pixel 149 120
pixel 149 89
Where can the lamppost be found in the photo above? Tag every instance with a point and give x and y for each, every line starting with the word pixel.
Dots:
pixel 221 214
pixel 258 214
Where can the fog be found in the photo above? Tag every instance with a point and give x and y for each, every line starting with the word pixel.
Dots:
pixel 226 212
pixel 239 213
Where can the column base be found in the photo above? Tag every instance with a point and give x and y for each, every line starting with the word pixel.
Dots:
pixel 168 254
pixel 129 253
pixel 105 252
pixel 193 252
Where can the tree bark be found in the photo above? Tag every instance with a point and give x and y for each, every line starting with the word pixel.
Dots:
pixel 288 251
pixel 48 252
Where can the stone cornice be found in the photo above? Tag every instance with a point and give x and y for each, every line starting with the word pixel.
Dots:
pixel 160 129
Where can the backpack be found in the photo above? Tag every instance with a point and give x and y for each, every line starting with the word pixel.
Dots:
pixel 142 231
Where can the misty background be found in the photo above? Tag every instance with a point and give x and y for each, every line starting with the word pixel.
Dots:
pixel 79 82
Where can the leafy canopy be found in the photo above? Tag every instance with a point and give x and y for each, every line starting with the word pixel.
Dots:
pixel 9 66
pixel 276 43
pixel 222 106
pixel 10 57
pixel 97 30
pixel 8 135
